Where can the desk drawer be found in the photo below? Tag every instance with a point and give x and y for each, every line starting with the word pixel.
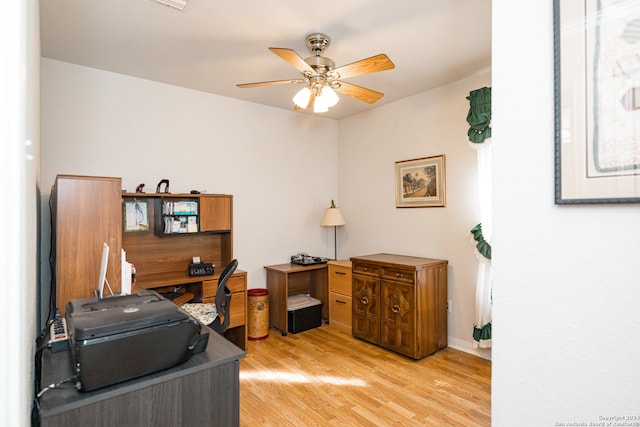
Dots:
pixel 398 274
pixel 340 306
pixel 340 279
pixel 236 309
pixel 235 284
pixel 367 269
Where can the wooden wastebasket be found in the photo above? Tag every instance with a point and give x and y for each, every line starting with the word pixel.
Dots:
pixel 258 314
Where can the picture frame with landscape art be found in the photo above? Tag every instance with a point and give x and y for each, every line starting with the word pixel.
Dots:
pixel 597 101
pixel 420 183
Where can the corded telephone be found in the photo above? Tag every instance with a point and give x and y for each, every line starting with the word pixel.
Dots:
pixel 303 258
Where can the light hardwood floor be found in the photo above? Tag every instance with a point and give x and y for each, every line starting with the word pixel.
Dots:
pixel 323 377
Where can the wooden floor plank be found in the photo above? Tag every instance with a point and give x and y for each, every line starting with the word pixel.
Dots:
pixel 324 377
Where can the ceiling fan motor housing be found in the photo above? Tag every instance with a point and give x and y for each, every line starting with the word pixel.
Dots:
pixel 320 64
pixel 317 42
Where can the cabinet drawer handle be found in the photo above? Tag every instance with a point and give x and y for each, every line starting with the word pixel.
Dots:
pixel 365 269
pixel 340 272
pixel 364 300
pixel 340 302
pixel 395 309
pixel 399 274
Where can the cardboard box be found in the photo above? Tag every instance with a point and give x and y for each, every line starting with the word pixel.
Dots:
pixel 304 313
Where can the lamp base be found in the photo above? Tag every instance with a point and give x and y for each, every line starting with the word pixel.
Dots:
pixel 335 243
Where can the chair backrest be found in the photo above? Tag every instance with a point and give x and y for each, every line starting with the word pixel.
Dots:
pixel 223 298
pixel 227 272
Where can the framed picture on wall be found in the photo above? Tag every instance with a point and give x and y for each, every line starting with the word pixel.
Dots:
pixel 135 216
pixel 597 101
pixel 420 183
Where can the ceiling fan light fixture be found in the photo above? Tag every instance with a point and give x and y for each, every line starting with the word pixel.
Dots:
pixel 329 96
pixel 320 105
pixel 325 99
pixel 301 99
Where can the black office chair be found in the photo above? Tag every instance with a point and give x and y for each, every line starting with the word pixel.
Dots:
pixel 223 298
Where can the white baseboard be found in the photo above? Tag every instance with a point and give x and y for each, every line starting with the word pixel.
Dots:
pixel 467 347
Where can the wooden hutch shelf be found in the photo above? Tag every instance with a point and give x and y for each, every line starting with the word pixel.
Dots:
pixel 162 259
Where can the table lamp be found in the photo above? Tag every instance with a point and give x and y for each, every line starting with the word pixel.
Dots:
pixel 333 217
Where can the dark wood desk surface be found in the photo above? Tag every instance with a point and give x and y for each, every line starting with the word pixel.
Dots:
pixel 202 391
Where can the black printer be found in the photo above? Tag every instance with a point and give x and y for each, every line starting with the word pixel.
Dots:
pixel 119 338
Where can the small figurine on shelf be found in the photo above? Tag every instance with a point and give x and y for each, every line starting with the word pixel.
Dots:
pixel 166 188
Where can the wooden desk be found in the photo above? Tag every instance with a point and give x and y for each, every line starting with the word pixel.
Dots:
pixel 203 289
pixel 284 280
pixel 203 391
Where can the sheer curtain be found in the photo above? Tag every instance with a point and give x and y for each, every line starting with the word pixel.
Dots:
pixel 479 119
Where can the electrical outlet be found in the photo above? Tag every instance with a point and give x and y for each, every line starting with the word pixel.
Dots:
pixel 450 306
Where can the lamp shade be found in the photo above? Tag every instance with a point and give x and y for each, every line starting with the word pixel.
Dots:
pixel 330 96
pixel 302 97
pixel 319 106
pixel 332 217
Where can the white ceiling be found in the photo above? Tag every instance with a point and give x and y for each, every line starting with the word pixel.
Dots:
pixel 213 45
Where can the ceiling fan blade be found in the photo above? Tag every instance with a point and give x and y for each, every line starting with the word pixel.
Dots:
pixel 292 58
pixel 271 83
pixel 374 64
pixel 312 99
pixel 362 93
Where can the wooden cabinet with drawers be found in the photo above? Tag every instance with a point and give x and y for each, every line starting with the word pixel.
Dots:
pixel 400 303
pixel 340 295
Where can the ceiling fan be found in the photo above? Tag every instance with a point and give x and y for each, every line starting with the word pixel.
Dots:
pixel 321 79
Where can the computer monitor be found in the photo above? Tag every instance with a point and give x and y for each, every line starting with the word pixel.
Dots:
pixel 102 279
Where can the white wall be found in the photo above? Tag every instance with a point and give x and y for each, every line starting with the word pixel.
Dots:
pixel 427 124
pixel 281 167
pixel 19 166
pixel 567 278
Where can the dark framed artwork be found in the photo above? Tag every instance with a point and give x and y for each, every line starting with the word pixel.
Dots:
pixel 420 183
pixel 597 101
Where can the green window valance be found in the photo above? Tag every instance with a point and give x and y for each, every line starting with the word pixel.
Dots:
pixel 479 116
pixel 482 245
